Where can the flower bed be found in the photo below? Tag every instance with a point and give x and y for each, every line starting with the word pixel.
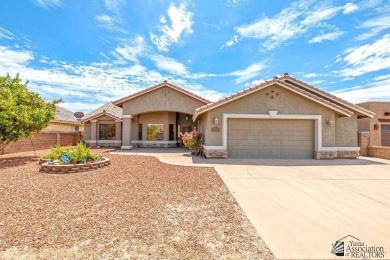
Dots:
pixel 69 168
pixel 71 159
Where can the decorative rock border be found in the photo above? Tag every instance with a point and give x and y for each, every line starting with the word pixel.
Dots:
pixel 70 168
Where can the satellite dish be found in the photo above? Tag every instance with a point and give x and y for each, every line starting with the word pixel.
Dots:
pixel 78 114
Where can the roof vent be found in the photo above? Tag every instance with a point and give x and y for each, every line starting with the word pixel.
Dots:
pixel 285 74
pixel 165 81
pixel 276 77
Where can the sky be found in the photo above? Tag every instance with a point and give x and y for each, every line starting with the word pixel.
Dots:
pixel 91 52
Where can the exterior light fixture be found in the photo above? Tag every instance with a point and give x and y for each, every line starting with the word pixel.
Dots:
pixel 187 118
pixel 329 121
pixel 216 120
pixel 376 127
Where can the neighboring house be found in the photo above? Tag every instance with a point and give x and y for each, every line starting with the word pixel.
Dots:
pixel 280 118
pixel 65 121
pixel 378 126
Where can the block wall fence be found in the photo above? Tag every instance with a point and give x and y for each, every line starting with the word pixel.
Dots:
pixel 43 140
pixel 374 151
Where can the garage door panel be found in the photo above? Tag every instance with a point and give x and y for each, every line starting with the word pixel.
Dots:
pixel 265 138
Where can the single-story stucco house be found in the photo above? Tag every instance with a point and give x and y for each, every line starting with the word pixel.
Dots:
pixel 280 118
pixel 65 121
pixel 378 126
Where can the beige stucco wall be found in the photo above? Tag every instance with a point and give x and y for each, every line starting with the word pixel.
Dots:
pixel 203 125
pixel 286 102
pixel 367 125
pixel 346 131
pixel 87 130
pixel 63 127
pixel 162 99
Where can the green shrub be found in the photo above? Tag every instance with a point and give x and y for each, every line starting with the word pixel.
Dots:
pixel 55 153
pixel 78 154
pixel 81 153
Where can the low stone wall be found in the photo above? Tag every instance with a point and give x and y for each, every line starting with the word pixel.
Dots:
pixel 43 140
pixel 335 154
pixel 379 152
pixel 215 153
pixel 70 168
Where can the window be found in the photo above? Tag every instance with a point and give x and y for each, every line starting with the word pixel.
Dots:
pixel 140 132
pixel 106 131
pixel 75 128
pixel 155 132
pixel 171 132
pixel 385 127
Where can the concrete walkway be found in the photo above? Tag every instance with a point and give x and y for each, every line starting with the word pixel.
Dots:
pixel 175 156
pixel 301 207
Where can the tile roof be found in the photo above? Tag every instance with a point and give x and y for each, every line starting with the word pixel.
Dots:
pixel 65 115
pixel 366 112
pixel 282 82
pixel 164 84
pixel 108 109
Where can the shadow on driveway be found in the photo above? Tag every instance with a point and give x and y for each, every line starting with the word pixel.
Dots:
pixel 287 162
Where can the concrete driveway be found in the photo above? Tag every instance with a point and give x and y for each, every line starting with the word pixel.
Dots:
pixel 301 207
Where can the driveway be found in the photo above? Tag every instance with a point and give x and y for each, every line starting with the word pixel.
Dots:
pixel 301 207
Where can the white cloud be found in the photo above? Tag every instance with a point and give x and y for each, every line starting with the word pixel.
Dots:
pixel 233 41
pixel 80 106
pixel 254 83
pixel 331 36
pixel 377 90
pixel 368 58
pixel 14 59
pixel 250 72
pixel 5 34
pixel 310 75
pixel 47 4
pixel 170 65
pixel 109 22
pixel 112 5
pixel 180 23
pixel 86 86
pixel 374 26
pixel 291 22
pixel 350 8
pixel 131 49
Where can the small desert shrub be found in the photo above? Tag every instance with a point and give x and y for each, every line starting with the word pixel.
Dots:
pixel 79 154
pixel 192 141
pixel 55 152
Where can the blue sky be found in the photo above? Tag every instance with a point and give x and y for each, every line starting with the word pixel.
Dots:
pixel 95 51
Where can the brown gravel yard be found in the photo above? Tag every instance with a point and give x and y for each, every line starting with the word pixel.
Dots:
pixel 137 207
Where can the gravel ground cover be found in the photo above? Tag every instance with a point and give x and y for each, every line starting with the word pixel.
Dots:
pixel 136 208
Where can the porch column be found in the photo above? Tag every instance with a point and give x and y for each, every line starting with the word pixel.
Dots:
pixel 93 141
pixel 118 133
pixel 126 132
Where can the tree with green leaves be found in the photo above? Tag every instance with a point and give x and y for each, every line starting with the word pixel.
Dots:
pixel 22 112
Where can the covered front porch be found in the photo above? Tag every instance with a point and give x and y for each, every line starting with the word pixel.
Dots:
pixel 155 129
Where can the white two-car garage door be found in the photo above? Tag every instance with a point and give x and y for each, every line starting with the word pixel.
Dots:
pixel 270 138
